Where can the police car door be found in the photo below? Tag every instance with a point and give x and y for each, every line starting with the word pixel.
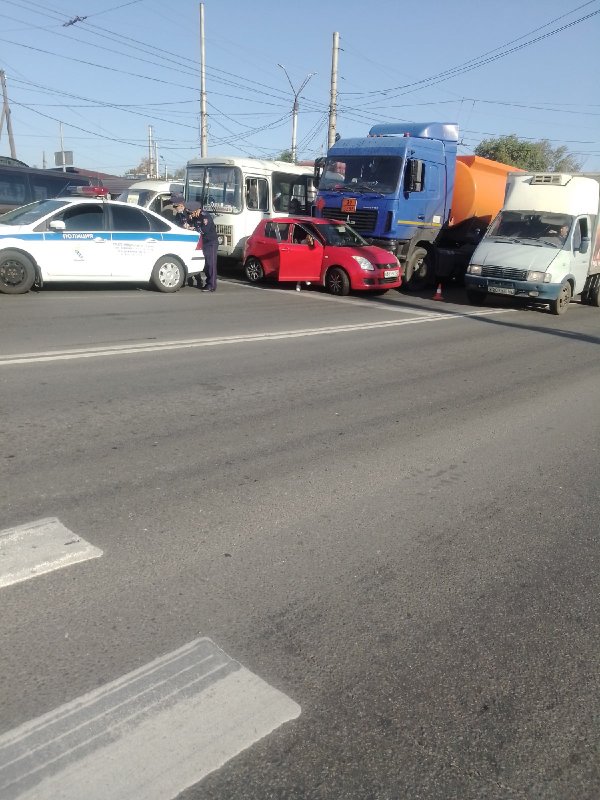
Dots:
pixel 76 248
pixel 135 246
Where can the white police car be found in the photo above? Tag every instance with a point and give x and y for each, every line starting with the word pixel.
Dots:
pixel 92 239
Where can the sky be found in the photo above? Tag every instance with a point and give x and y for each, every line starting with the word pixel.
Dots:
pixel 519 66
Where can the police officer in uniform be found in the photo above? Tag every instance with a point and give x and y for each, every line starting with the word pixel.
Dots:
pixel 181 215
pixel 204 224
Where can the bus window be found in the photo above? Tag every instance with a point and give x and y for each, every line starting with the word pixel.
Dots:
pixel 257 196
pixel 44 187
pixel 290 192
pixel 13 188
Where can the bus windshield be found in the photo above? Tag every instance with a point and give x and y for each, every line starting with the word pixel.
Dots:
pixel 218 188
pixel 371 174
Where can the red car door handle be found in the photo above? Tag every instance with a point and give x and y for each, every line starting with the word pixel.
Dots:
pixel 284 249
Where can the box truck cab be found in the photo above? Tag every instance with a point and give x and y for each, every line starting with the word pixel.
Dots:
pixel 543 245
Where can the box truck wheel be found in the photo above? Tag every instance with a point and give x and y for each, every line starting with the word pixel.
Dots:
pixel 561 304
pixel 417 270
pixel 476 298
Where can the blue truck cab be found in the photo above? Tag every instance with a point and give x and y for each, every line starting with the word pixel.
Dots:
pixel 394 187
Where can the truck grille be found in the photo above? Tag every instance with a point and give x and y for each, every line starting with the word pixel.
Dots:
pixel 511 273
pixel 361 219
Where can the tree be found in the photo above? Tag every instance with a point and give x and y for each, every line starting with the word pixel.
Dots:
pixel 143 168
pixel 537 156
pixel 285 155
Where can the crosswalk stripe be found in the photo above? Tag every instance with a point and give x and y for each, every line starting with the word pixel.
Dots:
pixel 39 547
pixel 149 734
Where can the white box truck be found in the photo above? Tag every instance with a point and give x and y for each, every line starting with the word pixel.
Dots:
pixel 544 245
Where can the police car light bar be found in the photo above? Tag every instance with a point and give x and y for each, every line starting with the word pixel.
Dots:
pixel 88 191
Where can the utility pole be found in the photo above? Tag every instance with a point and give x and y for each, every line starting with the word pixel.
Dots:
pixel 295 107
pixel 156 170
pixel 43 159
pixel 6 115
pixel 333 93
pixel 150 153
pixel 62 148
pixel 203 118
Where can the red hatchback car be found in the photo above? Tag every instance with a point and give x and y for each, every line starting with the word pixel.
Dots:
pixel 323 251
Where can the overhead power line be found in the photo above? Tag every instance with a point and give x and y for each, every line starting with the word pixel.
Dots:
pixel 472 64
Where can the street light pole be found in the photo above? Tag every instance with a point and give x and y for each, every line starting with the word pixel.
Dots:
pixel 295 107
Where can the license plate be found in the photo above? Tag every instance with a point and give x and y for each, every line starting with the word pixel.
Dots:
pixel 501 290
pixel 391 273
pixel 349 205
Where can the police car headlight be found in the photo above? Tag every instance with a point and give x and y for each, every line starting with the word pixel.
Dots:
pixel 364 263
pixel 474 269
pixel 538 277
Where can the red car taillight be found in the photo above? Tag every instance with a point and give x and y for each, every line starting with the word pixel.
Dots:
pixel 199 245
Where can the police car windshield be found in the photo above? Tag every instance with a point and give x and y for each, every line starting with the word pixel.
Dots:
pixel 26 215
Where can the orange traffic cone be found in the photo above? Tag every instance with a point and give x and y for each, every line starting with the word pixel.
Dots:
pixel 438 293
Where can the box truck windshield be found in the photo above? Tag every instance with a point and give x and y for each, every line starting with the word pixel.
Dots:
pixel 531 228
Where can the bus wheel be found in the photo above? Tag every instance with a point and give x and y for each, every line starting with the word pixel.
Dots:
pixel 561 304
pixel 17 273
pixel 337 281
pixel 254 270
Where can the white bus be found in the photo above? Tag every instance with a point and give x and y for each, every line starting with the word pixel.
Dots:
pixel 239 192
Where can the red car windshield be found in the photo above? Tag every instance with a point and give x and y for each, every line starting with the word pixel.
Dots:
pixel 336 235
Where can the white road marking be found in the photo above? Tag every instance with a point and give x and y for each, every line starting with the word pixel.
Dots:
pixel 145 347
pixel 39 547
pixel 149 734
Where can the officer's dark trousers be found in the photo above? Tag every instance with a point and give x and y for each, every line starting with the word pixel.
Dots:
pixel 210 263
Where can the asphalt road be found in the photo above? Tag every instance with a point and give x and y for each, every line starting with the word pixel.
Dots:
pixel 386 508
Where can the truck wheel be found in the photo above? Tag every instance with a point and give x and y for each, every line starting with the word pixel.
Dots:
pixel 594 296
pixel 561 304
pixel 168 274
pixel 337 281
pixel 17 273
pixel 417 271
pixel 476 298
pixel 254 270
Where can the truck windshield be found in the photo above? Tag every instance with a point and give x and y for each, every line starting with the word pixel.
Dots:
pixel 377 174
pixel 25 215
pixel 218 188
pixel 532 227
pixel 339 235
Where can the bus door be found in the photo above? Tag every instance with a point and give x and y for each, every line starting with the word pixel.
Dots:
pixel 257 201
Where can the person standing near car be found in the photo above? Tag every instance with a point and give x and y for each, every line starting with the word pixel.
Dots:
pixel 181 215
pixel 204 224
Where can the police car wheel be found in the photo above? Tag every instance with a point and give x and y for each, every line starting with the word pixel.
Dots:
pixel 168 274
pixel 17 273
